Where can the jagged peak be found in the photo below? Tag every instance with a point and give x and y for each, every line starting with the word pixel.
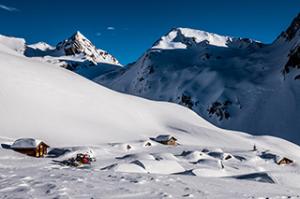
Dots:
pixel 78 36
pixel 78 44
pixel 78 33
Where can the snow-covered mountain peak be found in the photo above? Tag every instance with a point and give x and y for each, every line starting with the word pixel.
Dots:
pixel 78 44
pixel 78 35
pixel 182 38
pixel 41 46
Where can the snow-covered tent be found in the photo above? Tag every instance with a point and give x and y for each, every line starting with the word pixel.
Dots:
pixel 30 146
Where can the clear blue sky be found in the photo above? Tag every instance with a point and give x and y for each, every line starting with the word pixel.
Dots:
pixel 136 24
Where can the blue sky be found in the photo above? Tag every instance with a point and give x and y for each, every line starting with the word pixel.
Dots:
pixel 126 28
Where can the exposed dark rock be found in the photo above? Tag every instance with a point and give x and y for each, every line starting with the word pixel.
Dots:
pixel 294 60
pixel 151 69
pixel 297 77
pixel 220 109
pixel 290 33
pixel 187 101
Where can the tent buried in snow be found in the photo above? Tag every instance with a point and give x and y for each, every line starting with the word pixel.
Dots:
pixel 30 146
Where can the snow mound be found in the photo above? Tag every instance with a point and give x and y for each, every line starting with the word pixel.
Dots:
pixel 195 156
pixel 160 167
pixel 210 163
pixel 139 156
pixel 220 155
pixel 209 172
pixel 165 156
pixel 258 177
pixel 129 168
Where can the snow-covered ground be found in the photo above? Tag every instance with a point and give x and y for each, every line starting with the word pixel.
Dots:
pixel 73 114
pixel 155 171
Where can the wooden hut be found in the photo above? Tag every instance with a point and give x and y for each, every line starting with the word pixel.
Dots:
pixel 30 146
pixel 166 139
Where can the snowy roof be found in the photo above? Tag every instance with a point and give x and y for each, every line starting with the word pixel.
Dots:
pixel 26 143
pixel 278 158
pixel 162 138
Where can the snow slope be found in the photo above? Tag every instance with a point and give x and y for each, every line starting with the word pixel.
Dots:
pixel 57 105
pixel 234 83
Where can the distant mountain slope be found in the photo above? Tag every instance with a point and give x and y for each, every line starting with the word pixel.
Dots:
pixel 234 83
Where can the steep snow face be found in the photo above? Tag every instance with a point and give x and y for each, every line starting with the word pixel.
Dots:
pixel 241 88
pixel 182 38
